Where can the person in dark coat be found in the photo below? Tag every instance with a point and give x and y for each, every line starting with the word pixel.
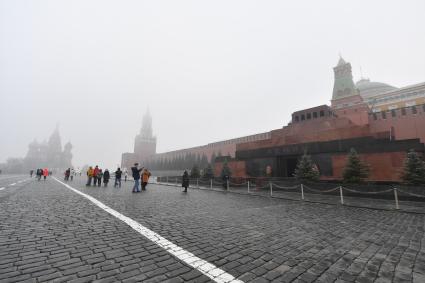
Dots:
pixel 185 181
pixel 106 177
pixel 136 176
pixel 118 174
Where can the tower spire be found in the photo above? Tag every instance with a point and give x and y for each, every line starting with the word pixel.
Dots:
pixel 343 85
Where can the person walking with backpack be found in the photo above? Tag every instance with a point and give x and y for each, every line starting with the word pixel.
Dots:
pixel 118 174
pixel 185 181
pixel 136 176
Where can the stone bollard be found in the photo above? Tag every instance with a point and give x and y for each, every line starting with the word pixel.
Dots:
pixel 302 191
pixel 396 199
pixel 342 197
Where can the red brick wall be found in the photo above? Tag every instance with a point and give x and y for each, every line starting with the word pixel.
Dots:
pixel 386 166
pixel 409 126
pixel 237 168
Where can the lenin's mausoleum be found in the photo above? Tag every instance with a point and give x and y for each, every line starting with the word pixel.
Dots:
pixel 379 121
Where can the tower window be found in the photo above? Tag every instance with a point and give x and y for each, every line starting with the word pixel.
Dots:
pixel 403 111
pixel 308 116
pixel 393 113
pixel 314 115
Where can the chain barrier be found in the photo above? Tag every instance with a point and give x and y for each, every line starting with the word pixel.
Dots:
pixel 260 188
pixel 411 194
pixel 319 191
pixel 367 193
pixel 286 188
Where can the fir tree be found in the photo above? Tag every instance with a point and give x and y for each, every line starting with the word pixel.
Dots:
pixel 194 173
pixel 208 172
pixel 306 170
pixel 225 171
pixel 355 170
pixel 413 169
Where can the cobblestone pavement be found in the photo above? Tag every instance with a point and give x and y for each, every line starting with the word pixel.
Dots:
pixel 49 233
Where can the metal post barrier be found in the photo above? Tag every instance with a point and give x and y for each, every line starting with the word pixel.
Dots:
pixel 211 180
pixel 197 183
pixel 271 189
pixel 227 184
pixel 302 191
pixel 248 186
pixel 176 181
pixel 340 192
pixel 166 180
pixel 396 199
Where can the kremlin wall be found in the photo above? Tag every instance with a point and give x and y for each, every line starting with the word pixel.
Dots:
pixel 379 121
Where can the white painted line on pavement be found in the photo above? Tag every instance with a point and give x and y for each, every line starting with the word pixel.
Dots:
pixel 210 270
pixel 1 189
pixel 12 184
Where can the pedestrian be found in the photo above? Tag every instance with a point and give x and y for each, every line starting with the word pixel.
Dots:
pixel 145 178
pixel 45 173
pixel 185 181
pixel 90 173
pixel 31 172
pixel 99 177
pixel 225 179
pixel 72 174
pixel 39 173
pixel 67 173
pixel 95 172
pixel 125 174
pixel 118 174
pixel 136 176
pixel 106 177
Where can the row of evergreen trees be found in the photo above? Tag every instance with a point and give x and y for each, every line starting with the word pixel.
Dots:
pixel 356 171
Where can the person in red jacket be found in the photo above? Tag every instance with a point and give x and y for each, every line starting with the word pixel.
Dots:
pixel 45 173
pixel 95 173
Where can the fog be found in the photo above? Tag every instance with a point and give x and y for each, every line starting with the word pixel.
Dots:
pixel 207 70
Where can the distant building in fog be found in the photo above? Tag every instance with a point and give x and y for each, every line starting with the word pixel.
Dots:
pixel 145 148
pixel 47 154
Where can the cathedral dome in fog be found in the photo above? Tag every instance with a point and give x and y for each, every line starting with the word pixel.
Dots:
pixel 369 89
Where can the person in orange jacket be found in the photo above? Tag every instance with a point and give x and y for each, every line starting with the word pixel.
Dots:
pixel 90 173
pixel 145 178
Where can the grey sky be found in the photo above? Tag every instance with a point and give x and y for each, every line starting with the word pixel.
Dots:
pixel 208 70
